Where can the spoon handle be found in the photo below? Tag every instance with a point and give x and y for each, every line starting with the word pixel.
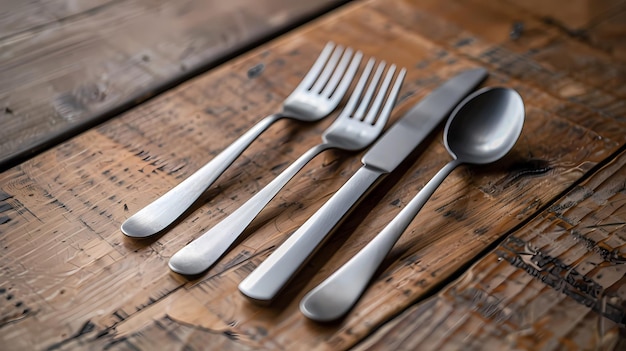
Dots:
pixel 339 292
pixel 202 253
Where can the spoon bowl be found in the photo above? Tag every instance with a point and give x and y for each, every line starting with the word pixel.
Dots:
pixel 482 128
pixel 485 126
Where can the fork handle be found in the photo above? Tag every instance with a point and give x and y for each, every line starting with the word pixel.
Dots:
pixel 166 209
pixel 202 253
pixel 266 281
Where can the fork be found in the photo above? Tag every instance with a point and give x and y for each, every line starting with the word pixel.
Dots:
pixel 353 130
pixel 317 95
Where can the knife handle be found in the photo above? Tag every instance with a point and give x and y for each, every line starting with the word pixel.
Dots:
pixel 266 281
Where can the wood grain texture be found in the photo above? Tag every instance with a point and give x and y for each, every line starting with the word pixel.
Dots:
pixel 76 282
pixel 67 65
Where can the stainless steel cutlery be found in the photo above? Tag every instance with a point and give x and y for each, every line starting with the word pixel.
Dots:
pixel 264 283
pixel 317 95
pixel 359 124
pixel 481 129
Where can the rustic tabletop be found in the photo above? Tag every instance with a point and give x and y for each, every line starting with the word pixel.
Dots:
pixel 106 105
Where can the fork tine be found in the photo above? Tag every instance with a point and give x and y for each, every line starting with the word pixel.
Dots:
pixel 315 70
pixel 365 101
pixel 354 98
pixel 391 100
pixel 328 69
pixel 340 91
pixel 382 92
pixel 334 79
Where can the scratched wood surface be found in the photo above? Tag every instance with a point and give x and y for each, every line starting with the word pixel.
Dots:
pixel 67 65
pixel 70 279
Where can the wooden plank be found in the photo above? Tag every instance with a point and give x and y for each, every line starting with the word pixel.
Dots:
pixel 558 282
pixel 75 281
pixel 538 52
pixel 18 16
pixel 66 66
pixel 576 17
pixel 608 35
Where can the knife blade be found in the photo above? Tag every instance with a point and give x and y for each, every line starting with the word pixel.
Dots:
pixel 269 278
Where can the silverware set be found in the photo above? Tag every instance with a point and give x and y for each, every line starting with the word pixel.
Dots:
pixel 482 128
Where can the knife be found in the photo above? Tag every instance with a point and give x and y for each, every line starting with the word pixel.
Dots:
pixel 268 279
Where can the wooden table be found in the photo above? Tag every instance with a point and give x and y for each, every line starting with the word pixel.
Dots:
pixel 526 254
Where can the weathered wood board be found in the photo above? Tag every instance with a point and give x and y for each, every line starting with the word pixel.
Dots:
pixel 67 65
pixel 70 279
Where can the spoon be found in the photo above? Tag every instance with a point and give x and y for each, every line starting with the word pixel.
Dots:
pixel 481 129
